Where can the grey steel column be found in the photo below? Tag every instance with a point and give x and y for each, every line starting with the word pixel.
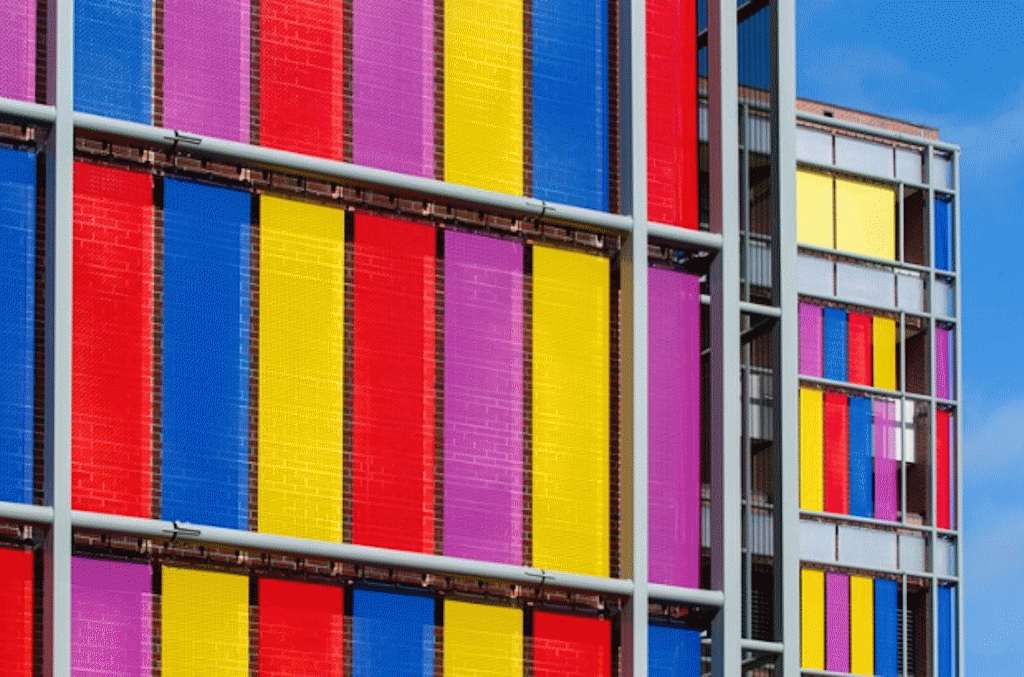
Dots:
pixel 723 160
pixel 633 106
pixel 786 383
pixel 958 426
pixel 59 214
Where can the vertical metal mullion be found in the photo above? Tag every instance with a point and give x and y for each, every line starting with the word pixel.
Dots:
pixel 958 373
pixel 59 232
pixel 933 611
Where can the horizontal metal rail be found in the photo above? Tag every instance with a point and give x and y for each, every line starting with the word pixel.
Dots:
pixel 25 513
pixel 26 111
pixel 670 593
pixel 868 130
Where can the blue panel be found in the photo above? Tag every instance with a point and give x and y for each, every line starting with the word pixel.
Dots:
pixel 835 344
pixel 113 57
pixel 754 47
pixel 17 330
pixel 886 632
pixel 205 385
pixel 672 651
pixel 392 633
pixel 862 500
pixel 943 233
pixel 570 102
pixel 945 646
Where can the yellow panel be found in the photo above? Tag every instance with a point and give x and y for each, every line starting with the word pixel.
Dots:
pixel 814 209
pixel 570 411
pixel 204 627
pixel 483 94
pixel 302 304
pixel 862 625
pixel 865 219
pixel 812 620
pixel 884 349
pixel 812 478
pixel 482 640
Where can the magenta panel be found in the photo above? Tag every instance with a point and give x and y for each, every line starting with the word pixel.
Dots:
pixel 483 398
pixel 810 340
pixel 110 618
pixel 886 492
pixel 674 427
pixel 393 85
pixel 837 622
pixel 18 49
pixel 206 67
pixel 942 363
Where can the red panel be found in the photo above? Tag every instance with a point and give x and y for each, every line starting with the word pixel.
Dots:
pixel 301 87
pixel 393 384
pixel 300 629
pixel 859 355
pixel 112 344
pixel 942 464
pixel 672 112
pixel 16 618
pixel 571 646
pixel 837 453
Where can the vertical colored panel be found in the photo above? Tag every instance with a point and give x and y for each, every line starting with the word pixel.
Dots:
pixel 673 396
pixel 483 398
pixel 837 457
pixel 483 94
pixel 862 625
pixel 205 395
pixel 18 49
pixel 859 357
pixel 883 347
pixel 570 102
pixel 865 219
pixel 946 626
pixel 112 345
pixel 942 363
pixel 570 411
pixel 942 465
pixel 811 348
pixel 301 355
pixel 837 622
pixel 300 629
pixel 17 331
pixel 814 210
pixel 113 59
pixel 393 71
pixel 206 73
pixel 393 384
pixel 482 639
pixel 301 76
pixel 835 344
pixel 673 651
pixel 886 491
pixel 861 467
pixel 392 633
pixel 886 631
pixel 204 623
pixel 111 624
pixel 812 439
pixel 672 112
pixel 16 621
pixel 571 646
pixel 943 232
pixel 812 619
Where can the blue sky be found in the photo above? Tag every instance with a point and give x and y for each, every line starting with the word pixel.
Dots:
pixel 958 66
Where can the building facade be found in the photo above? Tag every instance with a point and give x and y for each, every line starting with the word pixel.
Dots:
pixel 365 338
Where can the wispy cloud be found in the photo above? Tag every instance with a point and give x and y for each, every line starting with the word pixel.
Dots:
pixel 995 444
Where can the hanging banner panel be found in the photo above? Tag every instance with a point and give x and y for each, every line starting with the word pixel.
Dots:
pixel 111 618
pixel 862 625
pixel 18 49
pixel 942 468
pixel 812 619
pixel 837 622
pixel 571 646
pixel 883 351
pixel 811 348
pixel 300 629
pixel 886 628
pixel 811 450
pixel 835 337
pixel 205 362
pixel 112 344
pixel 861 466
pixel 483 94
pixel 859 356
pixel 392 633
pixel 886 430
pixel 393 384
pixel 393 85
pixel 206 73
pixel 673 395
pixel 482 639
pixel 673 651
pixel 17 331
pixel 301 363
pixel 946 629
pixel 301 85
pixel 570 411
pixel 865 219
pixel 837 450
pixel 942 363
pixel 943 232
pixel 814 210
pixel 113 59
pixel 483 398
pixel 17 620
pixel 204 623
